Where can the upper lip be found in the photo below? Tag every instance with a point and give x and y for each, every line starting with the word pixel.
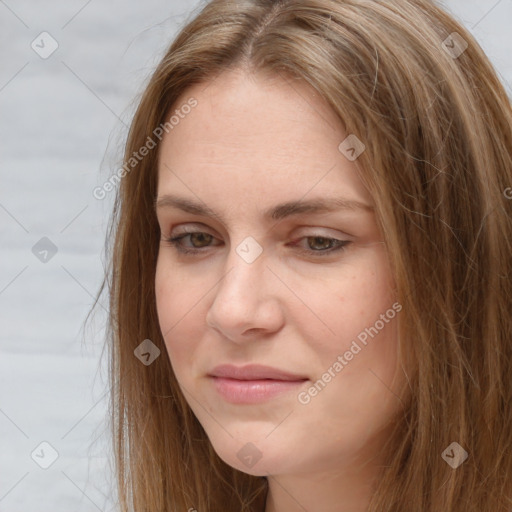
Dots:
pixel 253 372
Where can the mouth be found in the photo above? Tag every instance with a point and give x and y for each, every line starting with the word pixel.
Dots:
pixel 253 383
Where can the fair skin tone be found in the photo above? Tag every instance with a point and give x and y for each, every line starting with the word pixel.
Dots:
pixel 254 142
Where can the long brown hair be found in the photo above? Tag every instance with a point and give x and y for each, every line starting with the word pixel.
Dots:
pixel 437 125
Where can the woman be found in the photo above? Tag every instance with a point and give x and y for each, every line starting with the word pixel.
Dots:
pixel 310 281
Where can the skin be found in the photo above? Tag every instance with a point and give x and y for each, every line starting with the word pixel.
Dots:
pixel 252 142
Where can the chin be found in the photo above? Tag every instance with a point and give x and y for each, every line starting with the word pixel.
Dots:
pixel 253 458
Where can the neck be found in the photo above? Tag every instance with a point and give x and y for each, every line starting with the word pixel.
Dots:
pixel 344 488
pixel 328 493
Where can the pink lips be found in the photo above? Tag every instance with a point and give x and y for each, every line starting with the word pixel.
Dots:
pixel 253 383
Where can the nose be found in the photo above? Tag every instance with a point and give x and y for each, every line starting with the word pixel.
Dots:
pixel 246 303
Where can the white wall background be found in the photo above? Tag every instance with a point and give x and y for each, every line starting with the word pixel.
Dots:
pixel 62 119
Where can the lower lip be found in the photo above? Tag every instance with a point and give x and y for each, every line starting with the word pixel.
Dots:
pixel 253 391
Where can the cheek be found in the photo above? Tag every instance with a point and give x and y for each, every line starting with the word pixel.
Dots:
pixel 164 297
pixel 177 304
pixel 361 312
pixel 177 295
pixel 350 301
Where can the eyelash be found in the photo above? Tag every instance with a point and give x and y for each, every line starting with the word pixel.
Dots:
pixel 340 245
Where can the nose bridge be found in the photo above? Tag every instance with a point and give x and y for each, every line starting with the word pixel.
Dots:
pixel 245 270
pixel 241 299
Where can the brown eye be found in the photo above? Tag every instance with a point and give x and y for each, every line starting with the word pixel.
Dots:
pixel 202 239
pixel 198 240
pixel 321 243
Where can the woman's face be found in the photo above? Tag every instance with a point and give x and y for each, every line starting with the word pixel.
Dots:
pixel 274 280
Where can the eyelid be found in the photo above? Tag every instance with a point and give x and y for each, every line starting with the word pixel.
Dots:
pixel 327 232
pixel 318 231
pixel 192 228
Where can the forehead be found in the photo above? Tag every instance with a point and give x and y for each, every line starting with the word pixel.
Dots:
pixel 256 133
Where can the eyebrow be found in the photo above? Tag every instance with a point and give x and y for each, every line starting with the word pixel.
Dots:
pixel 278 212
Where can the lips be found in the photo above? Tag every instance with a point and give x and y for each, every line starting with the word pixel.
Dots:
pixel 254 372
pixel 253 383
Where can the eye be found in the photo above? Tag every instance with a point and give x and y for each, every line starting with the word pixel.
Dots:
pixel 197 238
pixel 324 245
pixel 319 245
